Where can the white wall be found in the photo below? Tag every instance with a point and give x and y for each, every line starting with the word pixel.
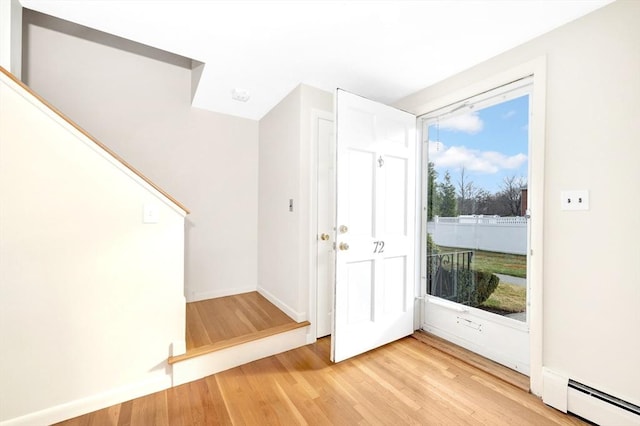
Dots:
pixel 90 297
pixel 278 228
pixel 11 36
pixel 137 100
pixel 591 279
pixel 285 173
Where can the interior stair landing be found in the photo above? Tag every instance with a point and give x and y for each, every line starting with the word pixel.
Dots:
pixel 229 331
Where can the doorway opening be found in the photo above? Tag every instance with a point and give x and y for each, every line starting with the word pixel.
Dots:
pixel 476 166
pixel 324 142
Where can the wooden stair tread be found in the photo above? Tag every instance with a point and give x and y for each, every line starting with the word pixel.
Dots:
pixel 504 373
pixel 202 350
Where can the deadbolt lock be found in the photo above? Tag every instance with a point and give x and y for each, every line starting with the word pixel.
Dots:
pixel 343 229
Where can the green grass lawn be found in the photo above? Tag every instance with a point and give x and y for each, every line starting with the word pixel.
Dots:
pixel 497 263
pixel 508 298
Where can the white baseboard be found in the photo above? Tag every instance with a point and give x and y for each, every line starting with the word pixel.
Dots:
pixel 86 405
pixel 196 368
pixel 554 389
pixel 204 295
pixel 292 313
pixel 311 338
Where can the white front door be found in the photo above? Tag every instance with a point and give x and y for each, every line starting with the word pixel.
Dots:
pixel 375 235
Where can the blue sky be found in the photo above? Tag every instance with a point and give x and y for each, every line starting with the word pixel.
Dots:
pixel 490 144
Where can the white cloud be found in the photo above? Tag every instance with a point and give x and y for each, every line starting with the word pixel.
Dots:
pixel 467 123
pixel 456 157
pixel 507 115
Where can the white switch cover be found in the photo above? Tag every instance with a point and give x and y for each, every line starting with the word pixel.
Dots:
pixel 574 200
pixel 150 213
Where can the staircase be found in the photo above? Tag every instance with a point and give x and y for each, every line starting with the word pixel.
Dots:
pixel 210 359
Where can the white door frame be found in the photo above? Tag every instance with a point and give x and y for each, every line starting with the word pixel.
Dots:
pixel 316 115
pixel 536 68
pixel 501 339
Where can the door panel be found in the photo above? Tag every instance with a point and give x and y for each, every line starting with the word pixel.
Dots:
pixel 375 246
pixel 395 269
pixel 360 197
pixel 395 203
pixel 359 283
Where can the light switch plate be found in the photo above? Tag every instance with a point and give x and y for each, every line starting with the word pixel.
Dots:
pixel 574 200
pixel 150 213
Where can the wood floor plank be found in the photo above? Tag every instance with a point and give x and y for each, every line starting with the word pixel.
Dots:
pixel 275 409
pixel 215 320
pixel 202 403
pixel 150 410
pixel 506 374
pixel 124 418
pixel 196 333
pixel 241 401
pixel 179 406
pixel 79 421
pixel 106 417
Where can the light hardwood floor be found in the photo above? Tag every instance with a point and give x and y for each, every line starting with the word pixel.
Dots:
pixel 405 382
pixel 508 375
pixel 215 320
pixel 217 324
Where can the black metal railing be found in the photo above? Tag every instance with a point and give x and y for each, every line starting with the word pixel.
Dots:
pixel 448 276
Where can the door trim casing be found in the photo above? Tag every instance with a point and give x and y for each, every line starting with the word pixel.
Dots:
pixel 316 115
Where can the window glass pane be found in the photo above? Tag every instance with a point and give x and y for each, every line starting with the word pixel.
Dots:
pixel 476 205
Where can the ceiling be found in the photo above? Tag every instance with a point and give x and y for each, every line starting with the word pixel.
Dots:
pixel 383 50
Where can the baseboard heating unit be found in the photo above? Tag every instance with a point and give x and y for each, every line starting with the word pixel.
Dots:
pixel 600 407
pixel 568 395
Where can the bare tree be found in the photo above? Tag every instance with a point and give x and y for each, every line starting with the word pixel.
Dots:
pixel 467 192
pixel 484 203
pixel 510 194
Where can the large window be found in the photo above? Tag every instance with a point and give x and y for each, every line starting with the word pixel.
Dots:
pixel 476 174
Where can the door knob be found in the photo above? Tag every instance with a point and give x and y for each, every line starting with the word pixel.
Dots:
pixel 324 237
pixel 344 246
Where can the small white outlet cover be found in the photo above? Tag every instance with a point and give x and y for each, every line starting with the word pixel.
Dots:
pixel 150 213
pixel 574 200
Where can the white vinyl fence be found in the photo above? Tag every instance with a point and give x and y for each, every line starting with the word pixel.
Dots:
pixel 498 234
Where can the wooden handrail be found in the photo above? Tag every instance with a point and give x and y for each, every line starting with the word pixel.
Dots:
pixel 94 140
